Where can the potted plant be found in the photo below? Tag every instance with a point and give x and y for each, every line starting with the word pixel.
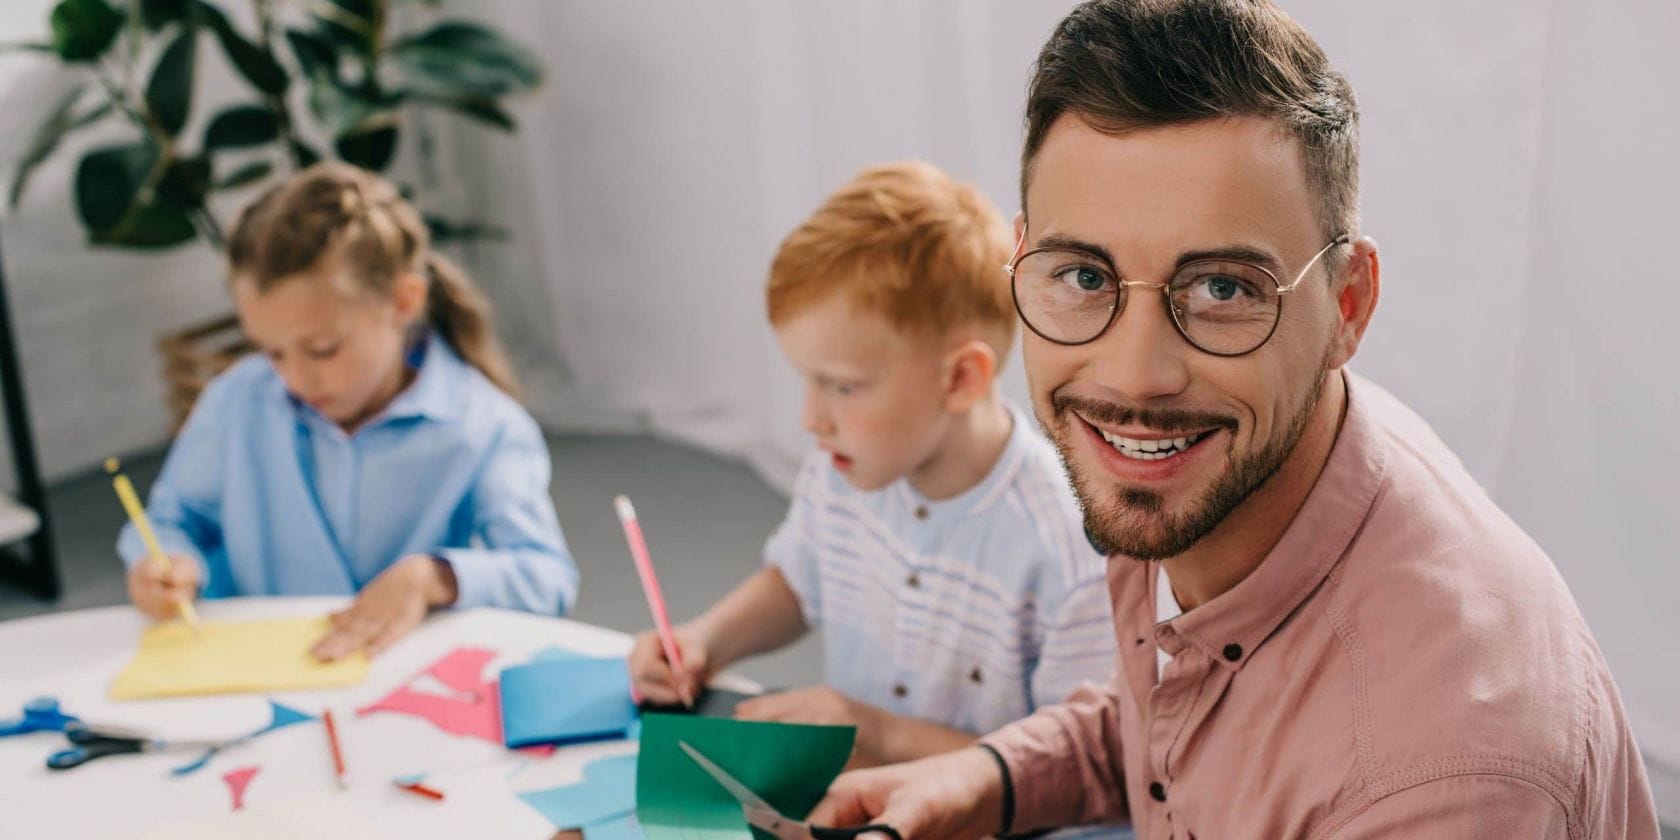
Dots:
pixel 356 82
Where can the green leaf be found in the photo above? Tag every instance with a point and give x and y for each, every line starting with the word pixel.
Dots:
pixel 248 174
pixel 156 14
pixel 457 58
pixel 112 208
pixel 255 63
pixel 155 226
pixel 169 93
pixel 371 150
pixel 186 182
pixel 448 230
pixel 340 108
pixel 304 154
pixel 30 46
pixel 351 24
pixel 481 108
pixel 314 53
pixel 41 146
pixel 82 30
pixel 242 126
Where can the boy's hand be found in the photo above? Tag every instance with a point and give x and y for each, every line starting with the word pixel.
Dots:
pixel 651 678
pixel 825 707
pixel 158 590
pixel 388 607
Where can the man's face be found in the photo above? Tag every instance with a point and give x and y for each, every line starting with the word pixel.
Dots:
pixel 1161 440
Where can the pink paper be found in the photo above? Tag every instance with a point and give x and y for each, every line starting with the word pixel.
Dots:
pixel 474 711
pixel 237 781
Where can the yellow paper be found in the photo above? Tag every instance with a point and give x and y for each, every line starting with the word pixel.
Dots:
pixel 229 657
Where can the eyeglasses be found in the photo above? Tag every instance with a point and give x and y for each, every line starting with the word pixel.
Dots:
pixel 1221 306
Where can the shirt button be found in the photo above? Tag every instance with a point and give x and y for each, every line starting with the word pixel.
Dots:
pixel 900 691
pixel 1233 652
pixel 1157 791
pixel 975 677
pixel 921 511
pixel 914 580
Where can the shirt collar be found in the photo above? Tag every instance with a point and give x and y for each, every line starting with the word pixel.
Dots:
pixel 432 394
pixel 1233 625
pixel 438 370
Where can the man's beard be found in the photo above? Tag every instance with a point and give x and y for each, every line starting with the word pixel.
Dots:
pixel 1133 523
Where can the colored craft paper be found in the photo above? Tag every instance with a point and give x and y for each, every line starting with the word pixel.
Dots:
pixel 562 701
pixel 790 766
pixel 623 827
pixel 608 791
pixel 228 657
pixel 474 710
pixel 237 781
pixel 279 716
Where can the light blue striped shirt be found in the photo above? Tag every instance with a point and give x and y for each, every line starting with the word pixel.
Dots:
pixel 970 611
pixel 272 498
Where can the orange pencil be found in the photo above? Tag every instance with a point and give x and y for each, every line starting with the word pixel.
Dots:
pixel 416 787
pixel 337 750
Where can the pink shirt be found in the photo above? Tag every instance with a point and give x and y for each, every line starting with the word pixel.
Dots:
pixel 1405 663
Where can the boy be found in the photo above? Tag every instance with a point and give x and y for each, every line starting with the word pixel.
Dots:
pixel 932 536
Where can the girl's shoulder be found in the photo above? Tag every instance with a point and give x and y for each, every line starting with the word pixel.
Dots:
pixel 246 383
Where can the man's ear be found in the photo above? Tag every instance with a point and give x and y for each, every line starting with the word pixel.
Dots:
pixel 1357 289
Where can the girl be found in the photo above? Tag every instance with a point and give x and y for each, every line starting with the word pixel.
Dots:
pixel 374 446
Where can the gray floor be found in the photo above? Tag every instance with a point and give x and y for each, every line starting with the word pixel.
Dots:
pixel 705 519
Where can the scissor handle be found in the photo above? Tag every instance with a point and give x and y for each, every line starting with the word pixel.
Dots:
pixel 822 833
pixel 90 749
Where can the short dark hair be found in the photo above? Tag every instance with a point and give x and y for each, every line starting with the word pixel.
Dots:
pixel 1124 64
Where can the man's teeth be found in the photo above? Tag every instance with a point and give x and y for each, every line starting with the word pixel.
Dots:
pixel 1151 450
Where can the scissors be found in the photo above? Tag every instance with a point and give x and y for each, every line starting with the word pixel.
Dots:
pixel 39 715
pixel 89 743
pixel 764 817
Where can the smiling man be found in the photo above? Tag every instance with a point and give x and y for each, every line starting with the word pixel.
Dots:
pixel 1327 629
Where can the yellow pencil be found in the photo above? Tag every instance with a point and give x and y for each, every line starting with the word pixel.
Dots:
pixel 137 514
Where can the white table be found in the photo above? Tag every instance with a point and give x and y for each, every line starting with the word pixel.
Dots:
pixel 74 655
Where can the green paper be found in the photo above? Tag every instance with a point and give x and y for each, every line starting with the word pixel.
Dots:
pixel 789 765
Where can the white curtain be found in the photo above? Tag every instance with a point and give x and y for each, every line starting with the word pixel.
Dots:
pixel 1520 174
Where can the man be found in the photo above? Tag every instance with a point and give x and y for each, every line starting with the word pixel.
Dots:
pixel 1327 630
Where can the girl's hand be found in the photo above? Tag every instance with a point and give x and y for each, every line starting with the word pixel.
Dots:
pixel 159 590
pixel 389 607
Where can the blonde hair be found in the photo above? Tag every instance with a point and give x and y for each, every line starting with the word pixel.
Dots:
pixel 905 241
pixel 336 214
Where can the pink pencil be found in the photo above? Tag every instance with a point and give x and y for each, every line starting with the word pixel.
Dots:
pixel 655 598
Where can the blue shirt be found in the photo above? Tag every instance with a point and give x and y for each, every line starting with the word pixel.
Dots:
pixel 970 611
pixel 271 498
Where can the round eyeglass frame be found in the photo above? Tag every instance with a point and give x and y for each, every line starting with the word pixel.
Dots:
pixel 1121 284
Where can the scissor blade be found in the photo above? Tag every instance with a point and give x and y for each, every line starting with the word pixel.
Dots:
pixel 742 793
pixel 771 822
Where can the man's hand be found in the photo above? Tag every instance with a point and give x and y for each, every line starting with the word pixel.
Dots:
pixel 954 796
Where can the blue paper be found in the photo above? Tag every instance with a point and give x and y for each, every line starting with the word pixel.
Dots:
pixel 554 653
pixel 560 701
pixel 622 827
pixel 607 792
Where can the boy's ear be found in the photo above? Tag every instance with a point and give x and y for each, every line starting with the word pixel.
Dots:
pixel 970 368
pixel 409 294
